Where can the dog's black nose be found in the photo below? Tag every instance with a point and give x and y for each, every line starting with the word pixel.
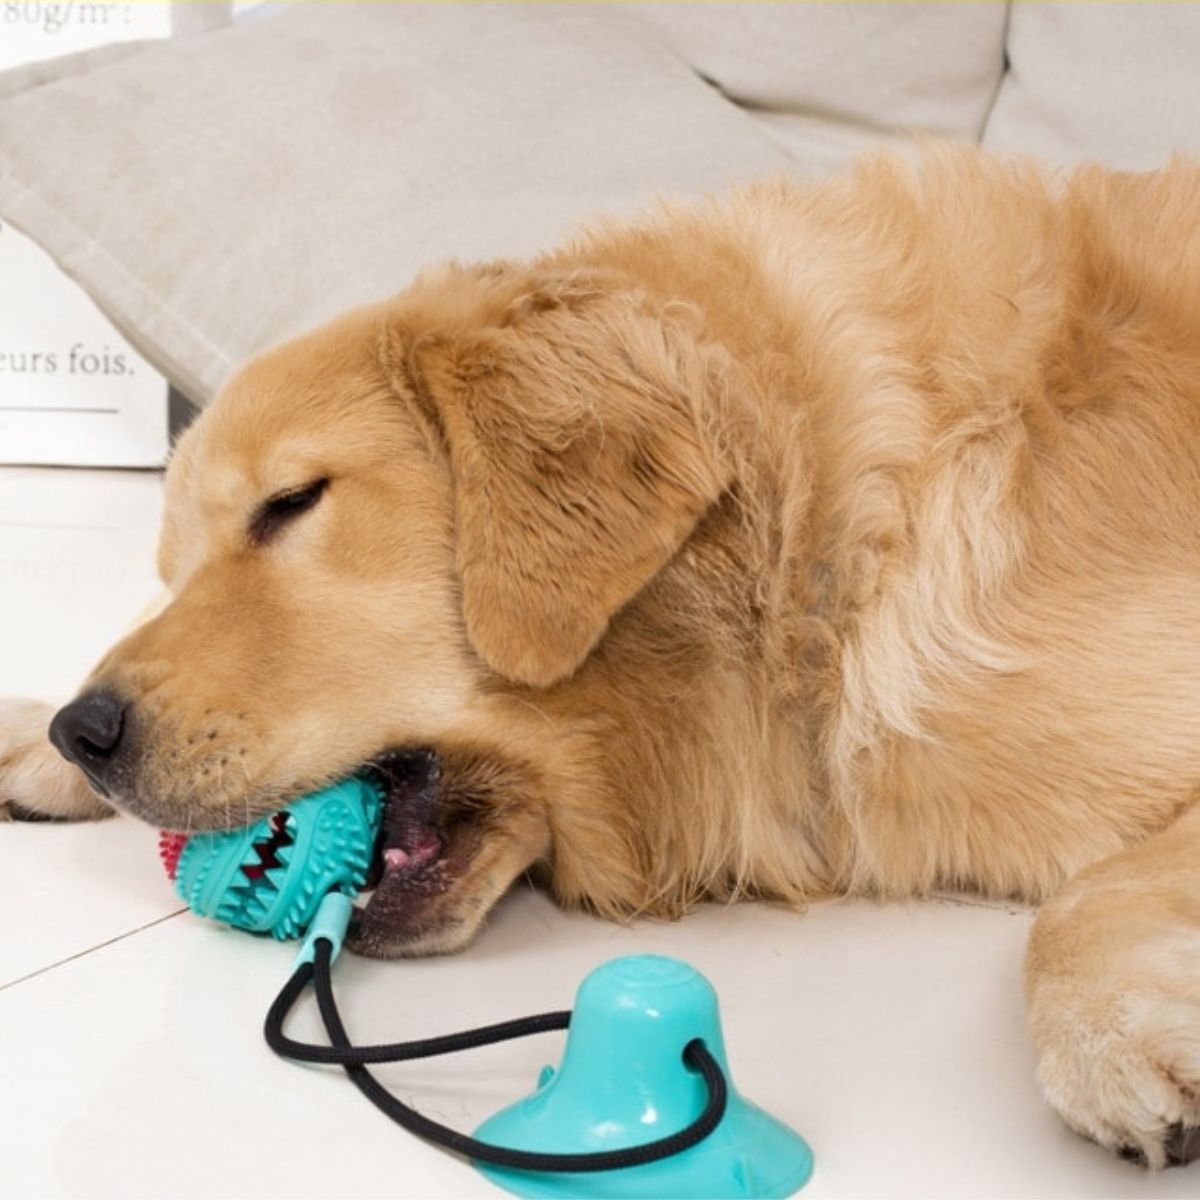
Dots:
pixel 88 732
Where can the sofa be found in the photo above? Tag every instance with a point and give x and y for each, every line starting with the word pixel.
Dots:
pixel 223 190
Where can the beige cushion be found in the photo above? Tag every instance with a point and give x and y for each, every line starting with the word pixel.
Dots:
pixel 219 193
pixel 830 79
pixel 50 70
pixel 1118 83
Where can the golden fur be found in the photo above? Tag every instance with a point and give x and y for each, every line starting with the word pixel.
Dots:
pixel 819 540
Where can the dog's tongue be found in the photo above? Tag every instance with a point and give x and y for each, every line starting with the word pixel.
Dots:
pixel 419 850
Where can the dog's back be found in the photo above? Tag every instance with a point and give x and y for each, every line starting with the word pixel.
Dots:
pixel 977 397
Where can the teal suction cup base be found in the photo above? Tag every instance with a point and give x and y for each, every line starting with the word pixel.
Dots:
pixel 623 1082
pixel 756 1156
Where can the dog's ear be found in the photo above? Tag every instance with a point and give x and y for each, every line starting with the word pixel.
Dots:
pixel 575 417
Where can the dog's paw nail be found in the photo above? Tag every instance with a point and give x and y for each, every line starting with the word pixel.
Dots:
pixel 1181 1144
pixel 18 812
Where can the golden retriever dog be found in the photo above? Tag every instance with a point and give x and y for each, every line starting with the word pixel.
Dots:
pixel 839 539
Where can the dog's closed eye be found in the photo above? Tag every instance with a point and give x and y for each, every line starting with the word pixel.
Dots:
pixel 277 511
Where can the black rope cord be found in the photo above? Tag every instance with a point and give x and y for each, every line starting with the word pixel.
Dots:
pixel 469 1039
pixel 353 1060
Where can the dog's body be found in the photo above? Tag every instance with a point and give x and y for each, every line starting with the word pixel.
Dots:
pixel 841 539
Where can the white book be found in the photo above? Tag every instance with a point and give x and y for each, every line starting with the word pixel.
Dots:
pixel 72 389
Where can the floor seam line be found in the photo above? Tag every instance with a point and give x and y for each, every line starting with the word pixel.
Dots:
pixel 91 949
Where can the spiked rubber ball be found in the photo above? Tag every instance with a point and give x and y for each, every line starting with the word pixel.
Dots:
pixel 271 876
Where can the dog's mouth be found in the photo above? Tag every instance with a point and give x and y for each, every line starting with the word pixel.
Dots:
pixel 429 838
pixel 413 834
pixel 412 838
pixel 423 892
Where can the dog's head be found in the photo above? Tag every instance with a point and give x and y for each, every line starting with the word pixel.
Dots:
pixel 389 545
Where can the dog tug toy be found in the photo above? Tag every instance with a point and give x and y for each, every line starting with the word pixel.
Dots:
pixel 641 1104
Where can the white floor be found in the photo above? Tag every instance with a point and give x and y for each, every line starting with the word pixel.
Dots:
pixel 131 1063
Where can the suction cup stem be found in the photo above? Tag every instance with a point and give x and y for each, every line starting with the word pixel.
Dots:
pixel 623 1082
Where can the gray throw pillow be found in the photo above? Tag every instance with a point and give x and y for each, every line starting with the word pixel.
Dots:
pixel 218 193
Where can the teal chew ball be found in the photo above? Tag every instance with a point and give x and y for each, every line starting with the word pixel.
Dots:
pixel 270 877
pixel 623 1082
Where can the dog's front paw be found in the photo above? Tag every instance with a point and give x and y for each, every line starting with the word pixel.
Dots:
pixel 36 782
pixel 1113 981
